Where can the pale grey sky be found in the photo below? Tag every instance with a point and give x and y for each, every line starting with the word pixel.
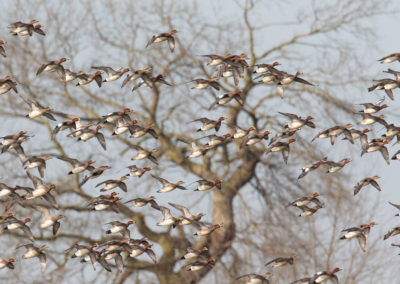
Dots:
pixel 285 12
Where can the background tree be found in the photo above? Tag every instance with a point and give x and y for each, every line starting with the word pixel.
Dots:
pixel 318 40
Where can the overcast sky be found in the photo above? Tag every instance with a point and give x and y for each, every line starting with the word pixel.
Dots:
pixel 387 41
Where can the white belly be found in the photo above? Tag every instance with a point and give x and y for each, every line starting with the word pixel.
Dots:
pixel 268 79
pixel 254 281
pixel 77 170
pixel 116 229
pixel 113 77
pixel 369 110
pixel 351 235
pixel 367 121
pixel 33 165
pixel 390 133
pixel 203 187
pixel 215 62
pixel 69 78
pixel 160 39
pixel 50 67
pixel 39 192
pixel 261 70
pixel 373 149
pixel 224 100
pixel 334 169
pixel 121 130
pixel 141 156
pixel 166 222
pixel 196 268
pixel 22 31
pixel 390 59
pixel 35 113
pixel 110 256
pixel 253 141
pixel 307 213
pixel 324 135
pixel 321 278
pixel 4 192
pixel 295 124
pixel 110 186
pixel 287 81
pixel 81 252
pixel 277 149
pixel 136 252
pixel 190 255
pixel 138 134
pixel 302 203
pixel 195 154
pixel 112 247
pixel 30 254
pixel 227 74
pixel 202 86
pixel 100 207
pixel 214 142
pixel 167 188
pixel 4 89
pixel 13 226
pixel 203 232
pixel 46 224
pixel 86 136
pixel 336 132
pixel 390 86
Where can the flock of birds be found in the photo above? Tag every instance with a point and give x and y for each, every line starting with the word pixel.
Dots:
pixel 117 247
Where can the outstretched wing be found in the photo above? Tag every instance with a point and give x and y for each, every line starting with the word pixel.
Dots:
pixel 181 208
pixel 153 38
pixel 171 43
pixel 163 181
pixel 42 259
pixel 102 140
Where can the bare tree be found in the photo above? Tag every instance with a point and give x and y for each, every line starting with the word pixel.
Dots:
pixel 251 206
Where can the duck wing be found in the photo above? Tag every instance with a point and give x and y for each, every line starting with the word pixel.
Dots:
pixel 362 240
pixel 272 261
pixel 397 206
pixel 41 169
pixel 35 180
pixel 153 38
pixel 3 51
pixel 101 139
pixel 171 43
pixel 300 80
pixel 290 115
pixel 151 254
pixel 42 258
pixel 390 94
pixel 119 263
pixel 41 68
pixel 385 154
pixel 358 187
pixel 181 208
pixel 376 185
pixel 163 181
pixel 56 226
pixel 28 232
pixel 127 79
pixel 49 116
pixel 285 154
pixel 104 264
pixel 245 275
pixel 99 80
pixel 123 186
pixel 106 69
